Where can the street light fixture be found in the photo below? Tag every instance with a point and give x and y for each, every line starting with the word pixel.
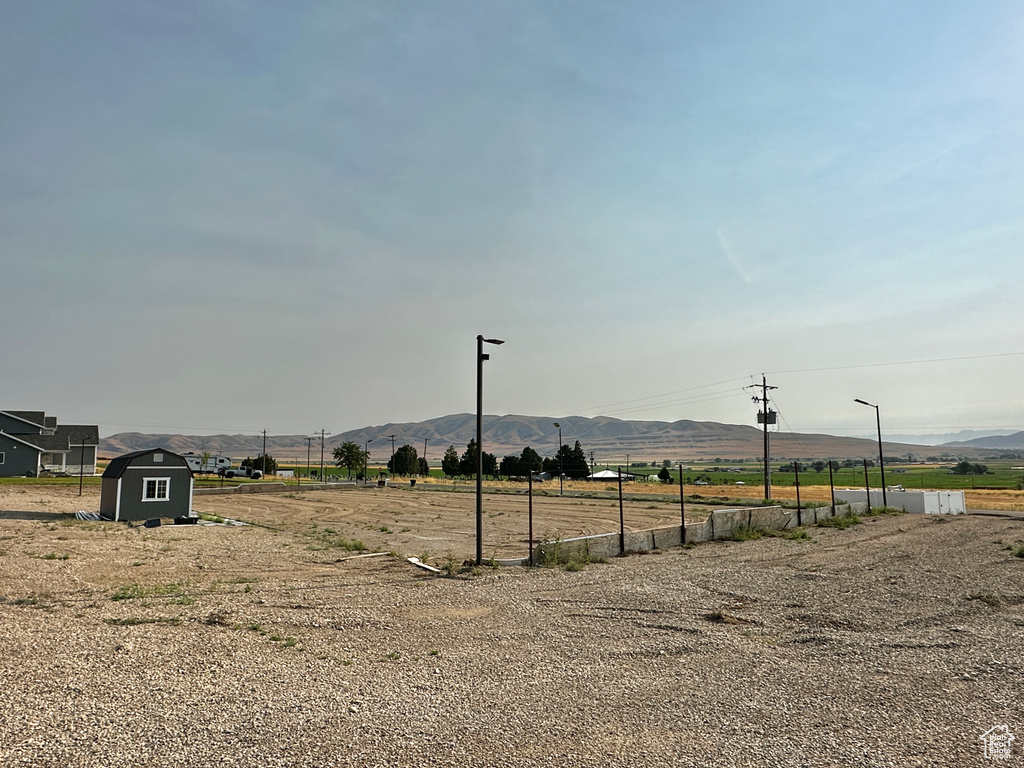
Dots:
pixel 881 460
pixel 561 474
pixel 480 357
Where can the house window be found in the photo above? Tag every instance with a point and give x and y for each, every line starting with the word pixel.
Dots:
pixel 155 488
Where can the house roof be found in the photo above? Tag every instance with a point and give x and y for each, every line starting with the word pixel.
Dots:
pixel 117 466
pixel 35 418
pixel 79 434
pixel 607 474
pixel 47 443
pixel 20 439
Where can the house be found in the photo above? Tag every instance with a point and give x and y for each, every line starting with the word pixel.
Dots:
pixel 608 474
pixel 32 443
pixel 145 485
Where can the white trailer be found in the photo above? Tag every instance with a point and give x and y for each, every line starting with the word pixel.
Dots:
pixel 213 465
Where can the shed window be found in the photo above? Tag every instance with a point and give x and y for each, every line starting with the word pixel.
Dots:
pixel 1 457
pixel 155 488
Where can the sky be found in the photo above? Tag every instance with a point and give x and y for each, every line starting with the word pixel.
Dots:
pixel 227 216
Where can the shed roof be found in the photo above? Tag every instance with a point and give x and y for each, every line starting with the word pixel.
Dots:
pixel 117 466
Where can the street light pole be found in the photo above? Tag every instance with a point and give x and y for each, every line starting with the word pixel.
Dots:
pixel 480 357
pixel 561 473
pixel 366 462
pixel 881 460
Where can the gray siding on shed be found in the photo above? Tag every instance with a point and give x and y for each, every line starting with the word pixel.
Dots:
pixel 127 484
pixel 19 459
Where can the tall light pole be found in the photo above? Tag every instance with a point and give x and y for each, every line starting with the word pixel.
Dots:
pixel 366 462
pixel 881 460
pixel 561 474
pixel 480 357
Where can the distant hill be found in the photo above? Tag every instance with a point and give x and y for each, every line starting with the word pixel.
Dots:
pixel 1002 442
pixel 609 439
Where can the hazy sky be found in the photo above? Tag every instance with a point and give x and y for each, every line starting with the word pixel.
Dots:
pixel 230 216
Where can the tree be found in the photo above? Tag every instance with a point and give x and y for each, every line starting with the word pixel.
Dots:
pixel 404 462
pixel 530 461
pixel 350 456
pixel 819 466
pixel 467 463
pixel 204 457
pixel 571 461
pixel 966 468
pixel 450 462
pixel 424 466
pixel 509 466
pixel 264 463
pixel 664 475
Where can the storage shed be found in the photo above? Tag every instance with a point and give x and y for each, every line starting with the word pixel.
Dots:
pixel 147 484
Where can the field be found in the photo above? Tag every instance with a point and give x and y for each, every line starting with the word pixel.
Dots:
pixel 896 642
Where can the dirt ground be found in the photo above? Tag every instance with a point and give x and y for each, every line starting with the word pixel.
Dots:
pixel 896 642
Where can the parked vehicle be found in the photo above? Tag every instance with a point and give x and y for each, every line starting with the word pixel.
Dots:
pixel 214 464
pixel 254 474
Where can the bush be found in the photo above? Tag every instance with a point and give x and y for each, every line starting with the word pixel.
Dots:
pixel 841 522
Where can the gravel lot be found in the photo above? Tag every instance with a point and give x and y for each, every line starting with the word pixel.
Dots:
pixel 896 642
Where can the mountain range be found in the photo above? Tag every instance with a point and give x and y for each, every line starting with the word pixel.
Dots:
pixel 610 440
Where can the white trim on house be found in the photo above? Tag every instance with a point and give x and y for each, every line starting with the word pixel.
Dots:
pixel 2 457
pixel 157 488
pixel 117 505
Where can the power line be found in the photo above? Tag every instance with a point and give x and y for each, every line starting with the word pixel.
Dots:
pixel 899 362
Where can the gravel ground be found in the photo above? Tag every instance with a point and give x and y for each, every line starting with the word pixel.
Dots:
pixel 896 642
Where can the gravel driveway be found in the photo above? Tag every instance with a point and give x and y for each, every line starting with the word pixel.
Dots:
pixel 896 642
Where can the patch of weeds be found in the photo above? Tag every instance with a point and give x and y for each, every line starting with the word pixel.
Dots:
pixel 434 652
pixel 987 598
pixel 1017 551
pixel 347 662
pixel 405 530
pixel 211 518
pixel 217 619
pixel 134 591
pixel 137 563
pixel 134 621
pixel 746 532
pixel 793 534
pixel 574 559
pixel 49 556
pixel 393 656
pixel 879 511
pixel 241 580
pixel 383 529
pixel 321 540
pixel 689 545
pixel 184 600
pixel 842 522
pixel 721 617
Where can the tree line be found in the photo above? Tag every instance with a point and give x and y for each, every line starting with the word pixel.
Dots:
pixel 406 461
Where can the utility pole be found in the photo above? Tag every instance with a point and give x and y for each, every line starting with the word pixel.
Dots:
pixel 264 467
pixel 309 443
pixel 322 433
pixel 393 454
pixel 425 456
pixel 766 416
